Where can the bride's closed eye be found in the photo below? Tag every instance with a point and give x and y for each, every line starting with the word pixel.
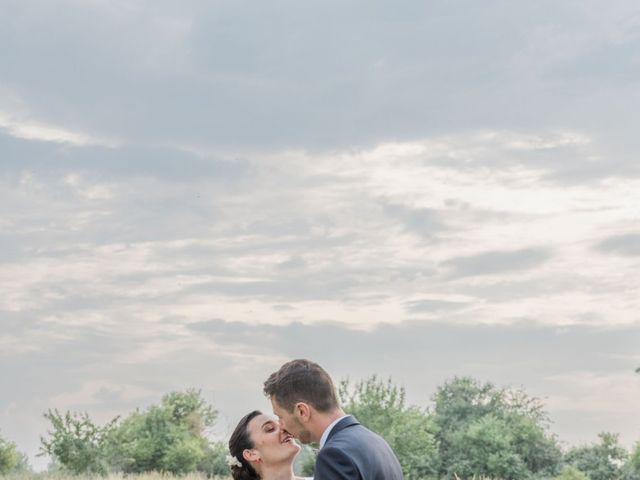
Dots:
pixel 268 427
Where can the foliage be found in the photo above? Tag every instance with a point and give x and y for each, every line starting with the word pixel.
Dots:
pixel 60 475
pixel 483 430
pixel 214 462
pixel 167 438
pixel 9 457
pixel 381 407
pixel 76 443
pixel 631 469
pixel 602 461
pixel 23 465
pixel 475 430
pixel 305 462
pixel 570 472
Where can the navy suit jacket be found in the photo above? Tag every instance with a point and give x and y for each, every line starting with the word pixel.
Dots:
pixel 356 453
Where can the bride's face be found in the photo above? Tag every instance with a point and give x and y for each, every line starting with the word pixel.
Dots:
pixel 271 443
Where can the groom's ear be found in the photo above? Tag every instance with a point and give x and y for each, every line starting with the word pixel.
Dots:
pixel 302 411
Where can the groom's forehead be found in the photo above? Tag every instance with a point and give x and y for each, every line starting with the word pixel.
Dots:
pixel 278 410
pixel 275 405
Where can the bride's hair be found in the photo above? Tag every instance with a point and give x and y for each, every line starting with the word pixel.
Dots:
pixel 239 441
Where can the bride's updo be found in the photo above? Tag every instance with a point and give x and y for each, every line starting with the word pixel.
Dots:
pixel 239 441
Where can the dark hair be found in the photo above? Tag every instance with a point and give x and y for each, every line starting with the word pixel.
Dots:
pixel 239 441
pixel 302 381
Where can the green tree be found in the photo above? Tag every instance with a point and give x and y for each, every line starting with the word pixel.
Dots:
pixel 602 461
pixel 305 463
pixel 169 437
pixel 486 448
pixel 76 443
pixel 485 431
pixel 631 469
pixel 214 462
pixel 570 472
pixel 381 407
pixel 9 456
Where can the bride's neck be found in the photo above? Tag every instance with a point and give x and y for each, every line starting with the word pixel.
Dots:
pixel 284 472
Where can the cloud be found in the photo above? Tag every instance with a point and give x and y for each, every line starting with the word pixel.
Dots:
pixel 310 183
pixel 425 222
pixel 115 162
pixel 434 305
pixel 496 262
pixel 108 374
pixel 34 130
pixel 356 236
pixel 627 245
pixel 229 77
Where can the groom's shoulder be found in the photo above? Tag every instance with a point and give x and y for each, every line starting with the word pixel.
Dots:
pixel 366 450
pixel 356 435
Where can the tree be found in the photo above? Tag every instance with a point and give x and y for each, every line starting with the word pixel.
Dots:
pixel 169 437
pixel 571 473
pixel 305 463
pixel 9 456
pixel 381 407
pixel 76 443
pixel 631 469
pixel 602 461
pixel 485 431
pixel 214 462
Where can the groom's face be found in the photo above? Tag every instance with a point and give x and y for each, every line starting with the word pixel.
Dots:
pixel 290 422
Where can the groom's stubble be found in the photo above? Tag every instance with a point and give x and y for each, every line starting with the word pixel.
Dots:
pixel 305 437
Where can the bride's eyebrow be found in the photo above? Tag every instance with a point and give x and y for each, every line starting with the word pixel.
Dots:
pixel 267 423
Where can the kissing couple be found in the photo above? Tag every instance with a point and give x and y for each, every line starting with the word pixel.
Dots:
pixel 306 408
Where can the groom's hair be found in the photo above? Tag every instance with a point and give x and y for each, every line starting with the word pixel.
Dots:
pixel 302 381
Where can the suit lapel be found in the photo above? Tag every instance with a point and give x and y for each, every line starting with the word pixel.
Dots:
pixel 347 421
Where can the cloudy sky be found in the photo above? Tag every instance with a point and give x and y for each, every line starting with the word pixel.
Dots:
pixel 194 192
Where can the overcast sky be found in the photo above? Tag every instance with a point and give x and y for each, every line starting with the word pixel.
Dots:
pixel 194 192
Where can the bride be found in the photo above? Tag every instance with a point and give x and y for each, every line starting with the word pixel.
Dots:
pixel 260 449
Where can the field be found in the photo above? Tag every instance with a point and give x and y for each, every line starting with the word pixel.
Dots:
pixel 143 476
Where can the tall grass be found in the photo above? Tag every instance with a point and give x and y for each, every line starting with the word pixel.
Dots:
pixel 112 476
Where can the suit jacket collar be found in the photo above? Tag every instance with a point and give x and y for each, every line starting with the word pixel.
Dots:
pixel 347 421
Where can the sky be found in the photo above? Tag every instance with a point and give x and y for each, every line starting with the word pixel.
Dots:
pixel 193 193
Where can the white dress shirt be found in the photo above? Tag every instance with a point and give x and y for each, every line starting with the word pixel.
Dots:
pixel 327 431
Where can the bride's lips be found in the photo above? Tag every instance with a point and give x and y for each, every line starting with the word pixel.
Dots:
pixel 287 437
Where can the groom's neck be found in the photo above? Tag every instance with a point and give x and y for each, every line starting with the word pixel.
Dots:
pixel 323 421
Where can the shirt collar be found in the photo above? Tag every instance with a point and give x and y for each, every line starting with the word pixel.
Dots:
pixel 325 434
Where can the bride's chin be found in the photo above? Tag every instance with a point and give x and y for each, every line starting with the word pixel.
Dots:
pixel 295 448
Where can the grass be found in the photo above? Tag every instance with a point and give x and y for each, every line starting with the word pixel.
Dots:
pixel 112 476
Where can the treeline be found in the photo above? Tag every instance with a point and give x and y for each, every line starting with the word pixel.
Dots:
pixel 478 430
pixel 472 429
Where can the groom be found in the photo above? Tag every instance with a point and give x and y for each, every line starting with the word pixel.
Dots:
pixel 304 397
